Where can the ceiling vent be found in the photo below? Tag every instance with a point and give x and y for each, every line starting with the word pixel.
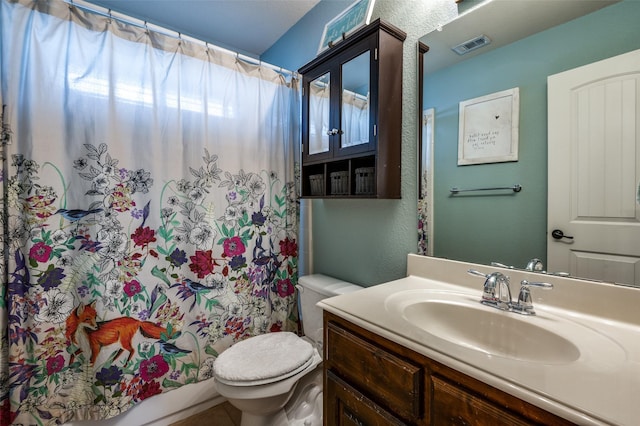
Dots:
pixel 473 44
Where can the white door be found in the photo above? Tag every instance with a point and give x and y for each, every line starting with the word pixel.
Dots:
pixel 594 170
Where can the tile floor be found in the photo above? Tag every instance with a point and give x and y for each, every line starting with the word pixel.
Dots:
pixel 221 415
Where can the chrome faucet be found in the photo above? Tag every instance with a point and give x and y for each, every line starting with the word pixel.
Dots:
pixel 496 290
pixel 535 265
pixel 497 293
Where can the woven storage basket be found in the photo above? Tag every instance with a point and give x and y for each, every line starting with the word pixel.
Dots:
pixel 339 183
pixel 315 184
pixel 365 180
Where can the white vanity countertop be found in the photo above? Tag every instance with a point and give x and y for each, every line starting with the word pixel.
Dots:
pixel 601 387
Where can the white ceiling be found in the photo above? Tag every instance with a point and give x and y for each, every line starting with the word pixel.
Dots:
pixel 504 22
pixel 246 26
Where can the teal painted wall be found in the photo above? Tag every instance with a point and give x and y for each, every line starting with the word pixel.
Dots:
pixel 367 241
pixel 300 44
pixel 512 228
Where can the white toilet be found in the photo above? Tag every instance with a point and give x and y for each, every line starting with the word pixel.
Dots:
pixel 276 378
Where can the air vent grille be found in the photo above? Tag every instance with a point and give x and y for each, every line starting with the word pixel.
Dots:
pixel 473 44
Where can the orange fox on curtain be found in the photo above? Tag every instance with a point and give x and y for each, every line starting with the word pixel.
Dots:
pixel 90 335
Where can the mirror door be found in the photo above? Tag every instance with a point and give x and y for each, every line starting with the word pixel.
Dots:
pixel 319 110
pixel 354 110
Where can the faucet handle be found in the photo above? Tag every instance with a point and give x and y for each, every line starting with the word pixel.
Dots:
pixel 524 305
pixel 527 284
pixel 501 265
pixel 475 272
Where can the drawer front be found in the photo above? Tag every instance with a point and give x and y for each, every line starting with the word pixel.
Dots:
pixel 348 407
pixel 387 379
pixel 454 406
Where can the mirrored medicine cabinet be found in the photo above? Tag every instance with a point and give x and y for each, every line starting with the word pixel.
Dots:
pixel 351 117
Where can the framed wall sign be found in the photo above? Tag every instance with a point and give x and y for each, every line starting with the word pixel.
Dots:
pixel 488 128
pixel 350 19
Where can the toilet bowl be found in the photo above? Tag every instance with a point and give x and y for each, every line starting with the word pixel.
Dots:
pixel 276 378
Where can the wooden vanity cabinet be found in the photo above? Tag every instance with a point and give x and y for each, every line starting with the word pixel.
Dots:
pixel 372 381
pixel 352 116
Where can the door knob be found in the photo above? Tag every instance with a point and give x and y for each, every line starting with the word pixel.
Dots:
pixel 558 235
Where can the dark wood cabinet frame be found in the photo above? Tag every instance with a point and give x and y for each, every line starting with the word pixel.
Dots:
pixel 383 152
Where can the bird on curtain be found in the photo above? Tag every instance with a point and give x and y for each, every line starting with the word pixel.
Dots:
pixel 75 215
pixel 171 349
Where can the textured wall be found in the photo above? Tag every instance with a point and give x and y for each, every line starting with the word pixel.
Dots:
pixel 300 44
pixel 367 241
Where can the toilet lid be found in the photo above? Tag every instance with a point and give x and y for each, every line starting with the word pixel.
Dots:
pixel 263 359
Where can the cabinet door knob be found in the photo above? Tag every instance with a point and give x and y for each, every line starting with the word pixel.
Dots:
pixel 334 132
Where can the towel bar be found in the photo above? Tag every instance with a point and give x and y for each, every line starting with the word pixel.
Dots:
pixel 514 188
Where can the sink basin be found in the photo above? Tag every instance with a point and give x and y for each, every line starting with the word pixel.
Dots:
pixel 491 331
pixel 461 320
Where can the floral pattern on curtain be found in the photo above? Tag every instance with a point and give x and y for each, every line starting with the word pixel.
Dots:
pixel 423 210
pixel 423 228
pixel 149 211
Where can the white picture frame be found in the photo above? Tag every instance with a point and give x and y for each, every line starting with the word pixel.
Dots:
pixel 352 18
pixel 488 128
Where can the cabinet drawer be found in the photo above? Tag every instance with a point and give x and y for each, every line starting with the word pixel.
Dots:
pixel 387 379
pixel 453 405
pixel 348 407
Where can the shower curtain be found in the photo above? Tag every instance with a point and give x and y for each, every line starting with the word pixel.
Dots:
pixel 148 210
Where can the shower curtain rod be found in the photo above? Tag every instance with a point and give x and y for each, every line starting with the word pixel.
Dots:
pixel 90 7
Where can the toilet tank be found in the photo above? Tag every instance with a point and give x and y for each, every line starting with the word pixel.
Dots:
pixel 311 290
